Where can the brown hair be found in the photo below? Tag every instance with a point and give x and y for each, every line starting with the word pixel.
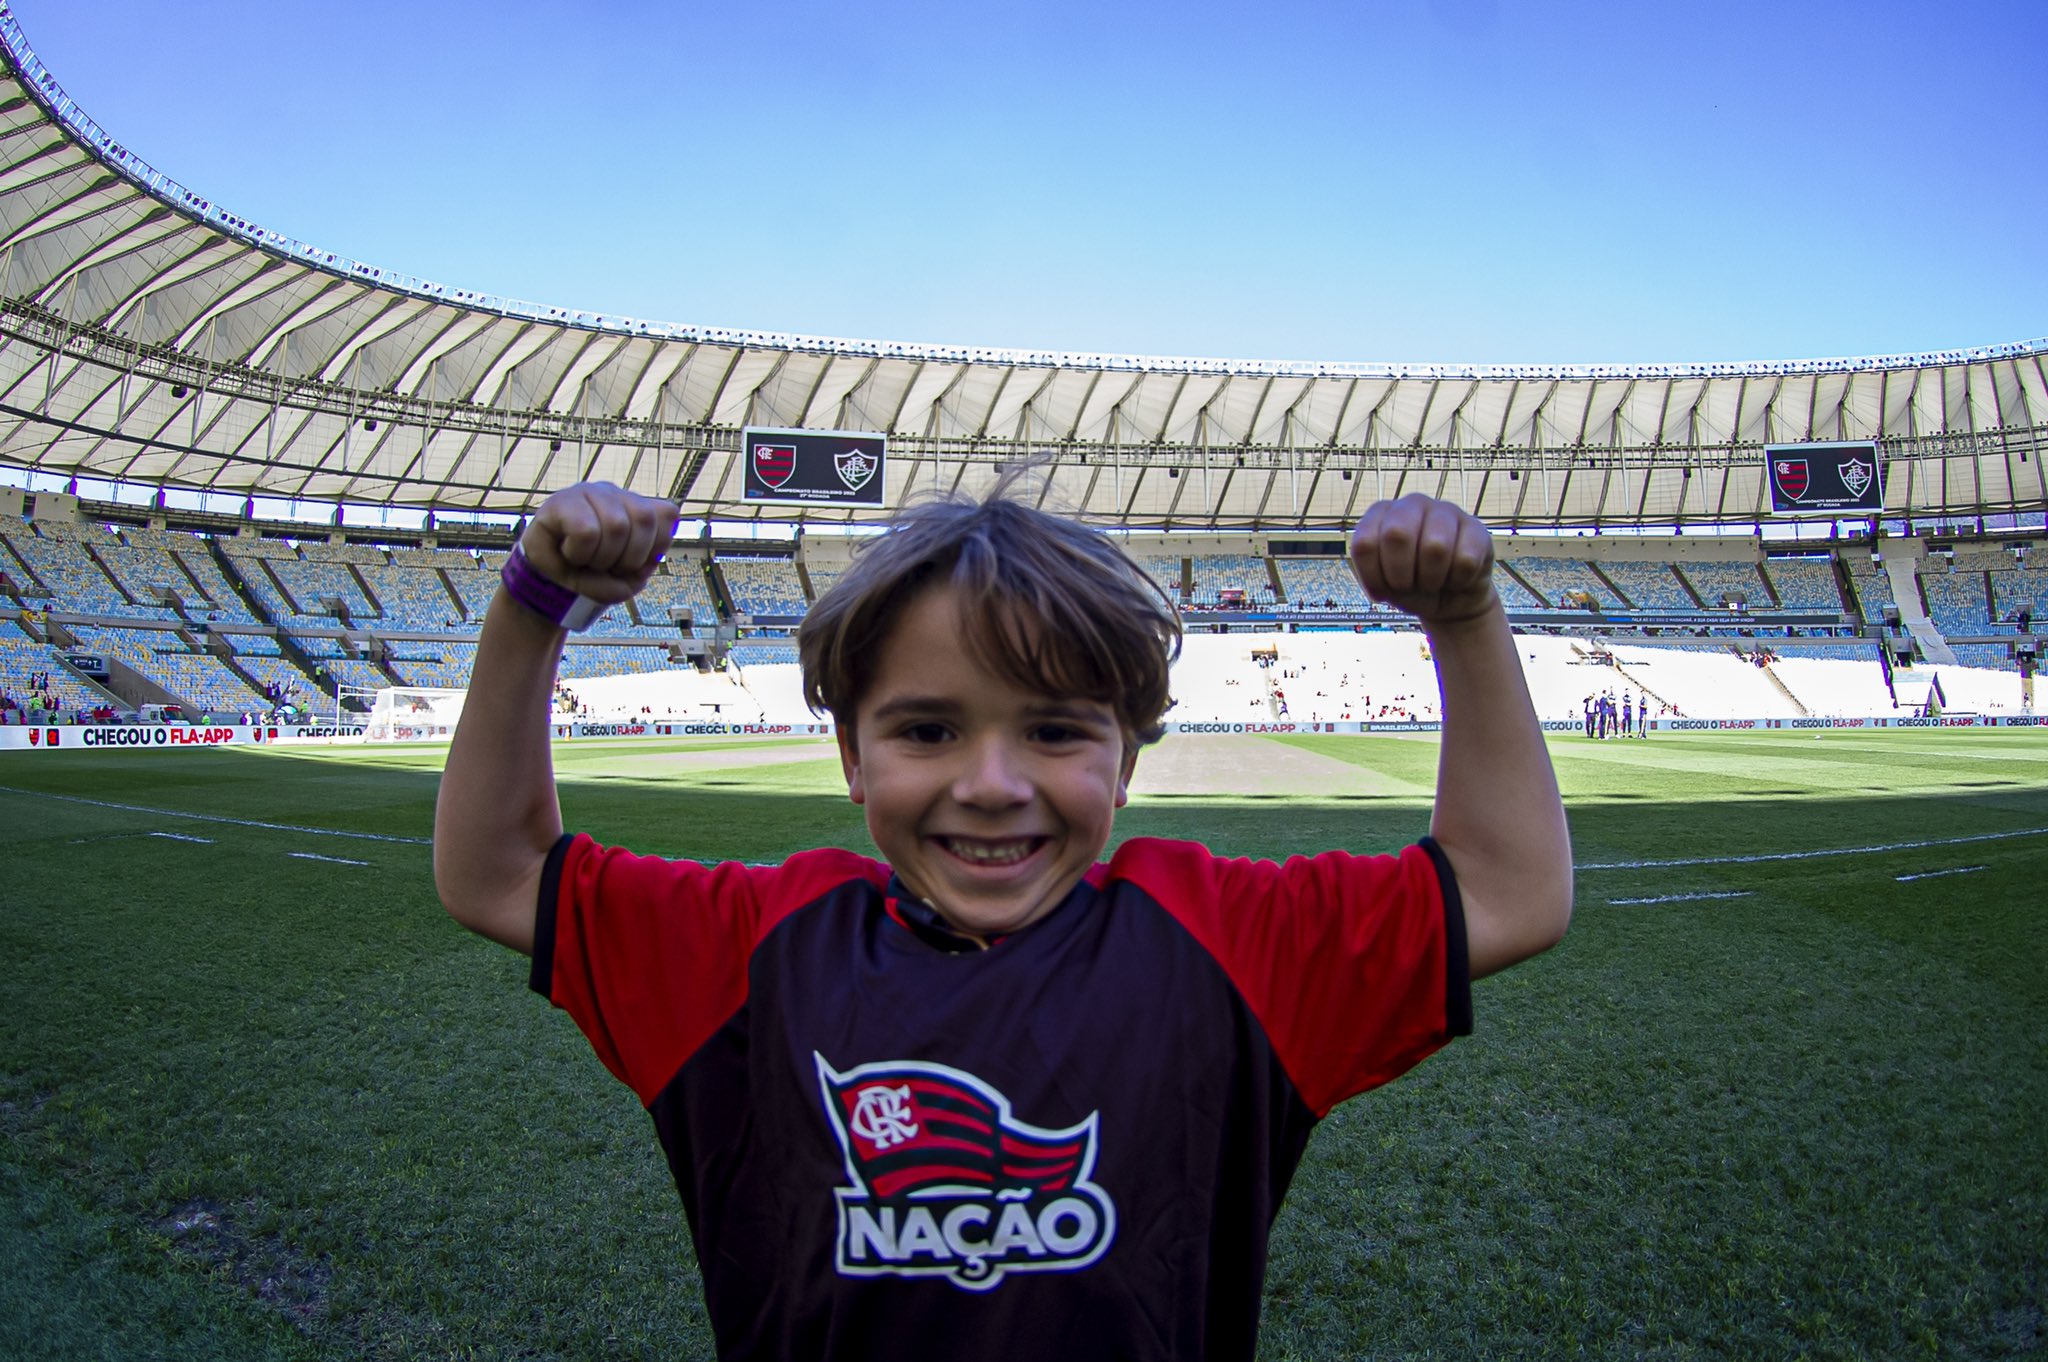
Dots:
pixel 1045 602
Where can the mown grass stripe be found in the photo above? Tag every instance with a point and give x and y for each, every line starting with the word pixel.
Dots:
pixel 219 818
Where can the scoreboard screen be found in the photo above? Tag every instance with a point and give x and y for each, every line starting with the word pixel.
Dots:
pixel 814 467
pixel 1825 479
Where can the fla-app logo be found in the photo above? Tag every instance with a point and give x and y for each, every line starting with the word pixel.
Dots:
pixel 944 1181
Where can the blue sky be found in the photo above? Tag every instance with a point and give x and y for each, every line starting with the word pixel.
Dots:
pixel 1417 180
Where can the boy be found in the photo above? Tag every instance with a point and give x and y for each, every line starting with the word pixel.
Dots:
pixel 993 1097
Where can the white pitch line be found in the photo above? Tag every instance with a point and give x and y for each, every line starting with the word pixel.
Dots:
pixel 1687 898
pixel 1810 855
pixel 219 818
pixel 314 856
pixel 1936 874
pixel 181 837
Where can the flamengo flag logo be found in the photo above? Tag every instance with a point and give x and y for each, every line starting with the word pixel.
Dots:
pixel 1856 476
pixel 773 464
pixel 1791 476
pixel 943 1181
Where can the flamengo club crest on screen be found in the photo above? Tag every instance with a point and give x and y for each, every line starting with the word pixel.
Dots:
pixel 1791 476
pixel 943 1181
pixel 773 464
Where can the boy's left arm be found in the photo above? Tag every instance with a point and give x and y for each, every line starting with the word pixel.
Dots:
pixel 1498 816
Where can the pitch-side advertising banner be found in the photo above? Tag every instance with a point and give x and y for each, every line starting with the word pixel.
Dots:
pixel 190 737
pixel 164 737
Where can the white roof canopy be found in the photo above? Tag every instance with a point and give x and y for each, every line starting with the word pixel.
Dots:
pixel 149 335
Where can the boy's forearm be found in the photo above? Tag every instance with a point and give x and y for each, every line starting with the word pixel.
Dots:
pixel 1498 814
pixel 497 815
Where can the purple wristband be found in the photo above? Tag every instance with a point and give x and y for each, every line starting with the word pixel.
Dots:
pixel 553 602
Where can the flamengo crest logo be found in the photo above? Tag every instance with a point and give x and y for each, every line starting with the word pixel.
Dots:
pixel 942 1181
pixel 855 467
pixel 1791 475
pixel 773 464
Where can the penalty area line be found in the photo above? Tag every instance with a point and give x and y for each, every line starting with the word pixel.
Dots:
pixel 221 818
pixel 1755 857
pixel 316 856
pixel 1688 898
pixel 1937 874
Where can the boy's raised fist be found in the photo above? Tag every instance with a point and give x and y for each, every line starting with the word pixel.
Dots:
pixel 599 540
pixel 1427 557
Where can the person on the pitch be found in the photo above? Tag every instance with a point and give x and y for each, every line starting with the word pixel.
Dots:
pixel 994 1095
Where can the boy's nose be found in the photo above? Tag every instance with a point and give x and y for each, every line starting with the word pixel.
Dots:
pixel 991 776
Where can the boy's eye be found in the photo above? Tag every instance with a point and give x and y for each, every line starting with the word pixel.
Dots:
pixel 1057 734
pixel 925 732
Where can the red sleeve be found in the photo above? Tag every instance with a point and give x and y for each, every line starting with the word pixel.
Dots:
pixel 649 956
pixel 1354 965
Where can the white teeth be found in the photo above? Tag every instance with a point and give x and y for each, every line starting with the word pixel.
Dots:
pixel 984 853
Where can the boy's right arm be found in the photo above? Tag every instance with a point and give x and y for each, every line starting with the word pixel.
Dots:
pixel 497 818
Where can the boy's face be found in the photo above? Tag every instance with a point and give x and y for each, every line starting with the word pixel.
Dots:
pixel 989 800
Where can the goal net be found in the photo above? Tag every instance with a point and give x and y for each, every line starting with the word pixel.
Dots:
pixel 413 714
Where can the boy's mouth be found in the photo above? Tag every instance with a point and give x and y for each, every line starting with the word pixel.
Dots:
pixel 982 851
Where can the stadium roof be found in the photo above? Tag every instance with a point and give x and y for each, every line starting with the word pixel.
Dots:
pixel 151 336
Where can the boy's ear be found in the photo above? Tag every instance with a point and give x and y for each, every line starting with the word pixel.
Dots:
pixel 1123 777
pixel 849 762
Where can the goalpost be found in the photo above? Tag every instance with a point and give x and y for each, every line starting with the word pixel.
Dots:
pixel 413 714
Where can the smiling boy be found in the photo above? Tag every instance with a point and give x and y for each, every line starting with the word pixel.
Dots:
pixel 993 1095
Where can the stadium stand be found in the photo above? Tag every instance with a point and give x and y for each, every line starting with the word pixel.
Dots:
pixel 679 585
pixel 1873 588
pixel 1804 583
pixel 2014 589
pixel 1235 579
pixel 1958 601
pixel 1556 580
pixel 762 586
pixel 1649 586
pixel 1721 583
pixel 1315 585
pixel 64 557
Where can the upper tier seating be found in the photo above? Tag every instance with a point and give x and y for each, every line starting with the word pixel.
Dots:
pixel 1649 586
pixel 763 586
pixel 1716 583
pixel 1320 584
pixel 1805 583
pixel 1957 601
pixel 1554 577
pixel 1212 574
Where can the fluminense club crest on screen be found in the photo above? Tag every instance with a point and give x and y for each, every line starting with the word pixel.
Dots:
pixel 944 1180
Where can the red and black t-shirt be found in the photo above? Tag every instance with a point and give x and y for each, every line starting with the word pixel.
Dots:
pixel 1071 1145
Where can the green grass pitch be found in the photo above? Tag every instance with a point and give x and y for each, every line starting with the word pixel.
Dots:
pixel 1782 1092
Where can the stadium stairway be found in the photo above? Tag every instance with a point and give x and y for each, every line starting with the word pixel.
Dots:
pixel 1779 681
pixel 1899 562
pixel 1622 670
